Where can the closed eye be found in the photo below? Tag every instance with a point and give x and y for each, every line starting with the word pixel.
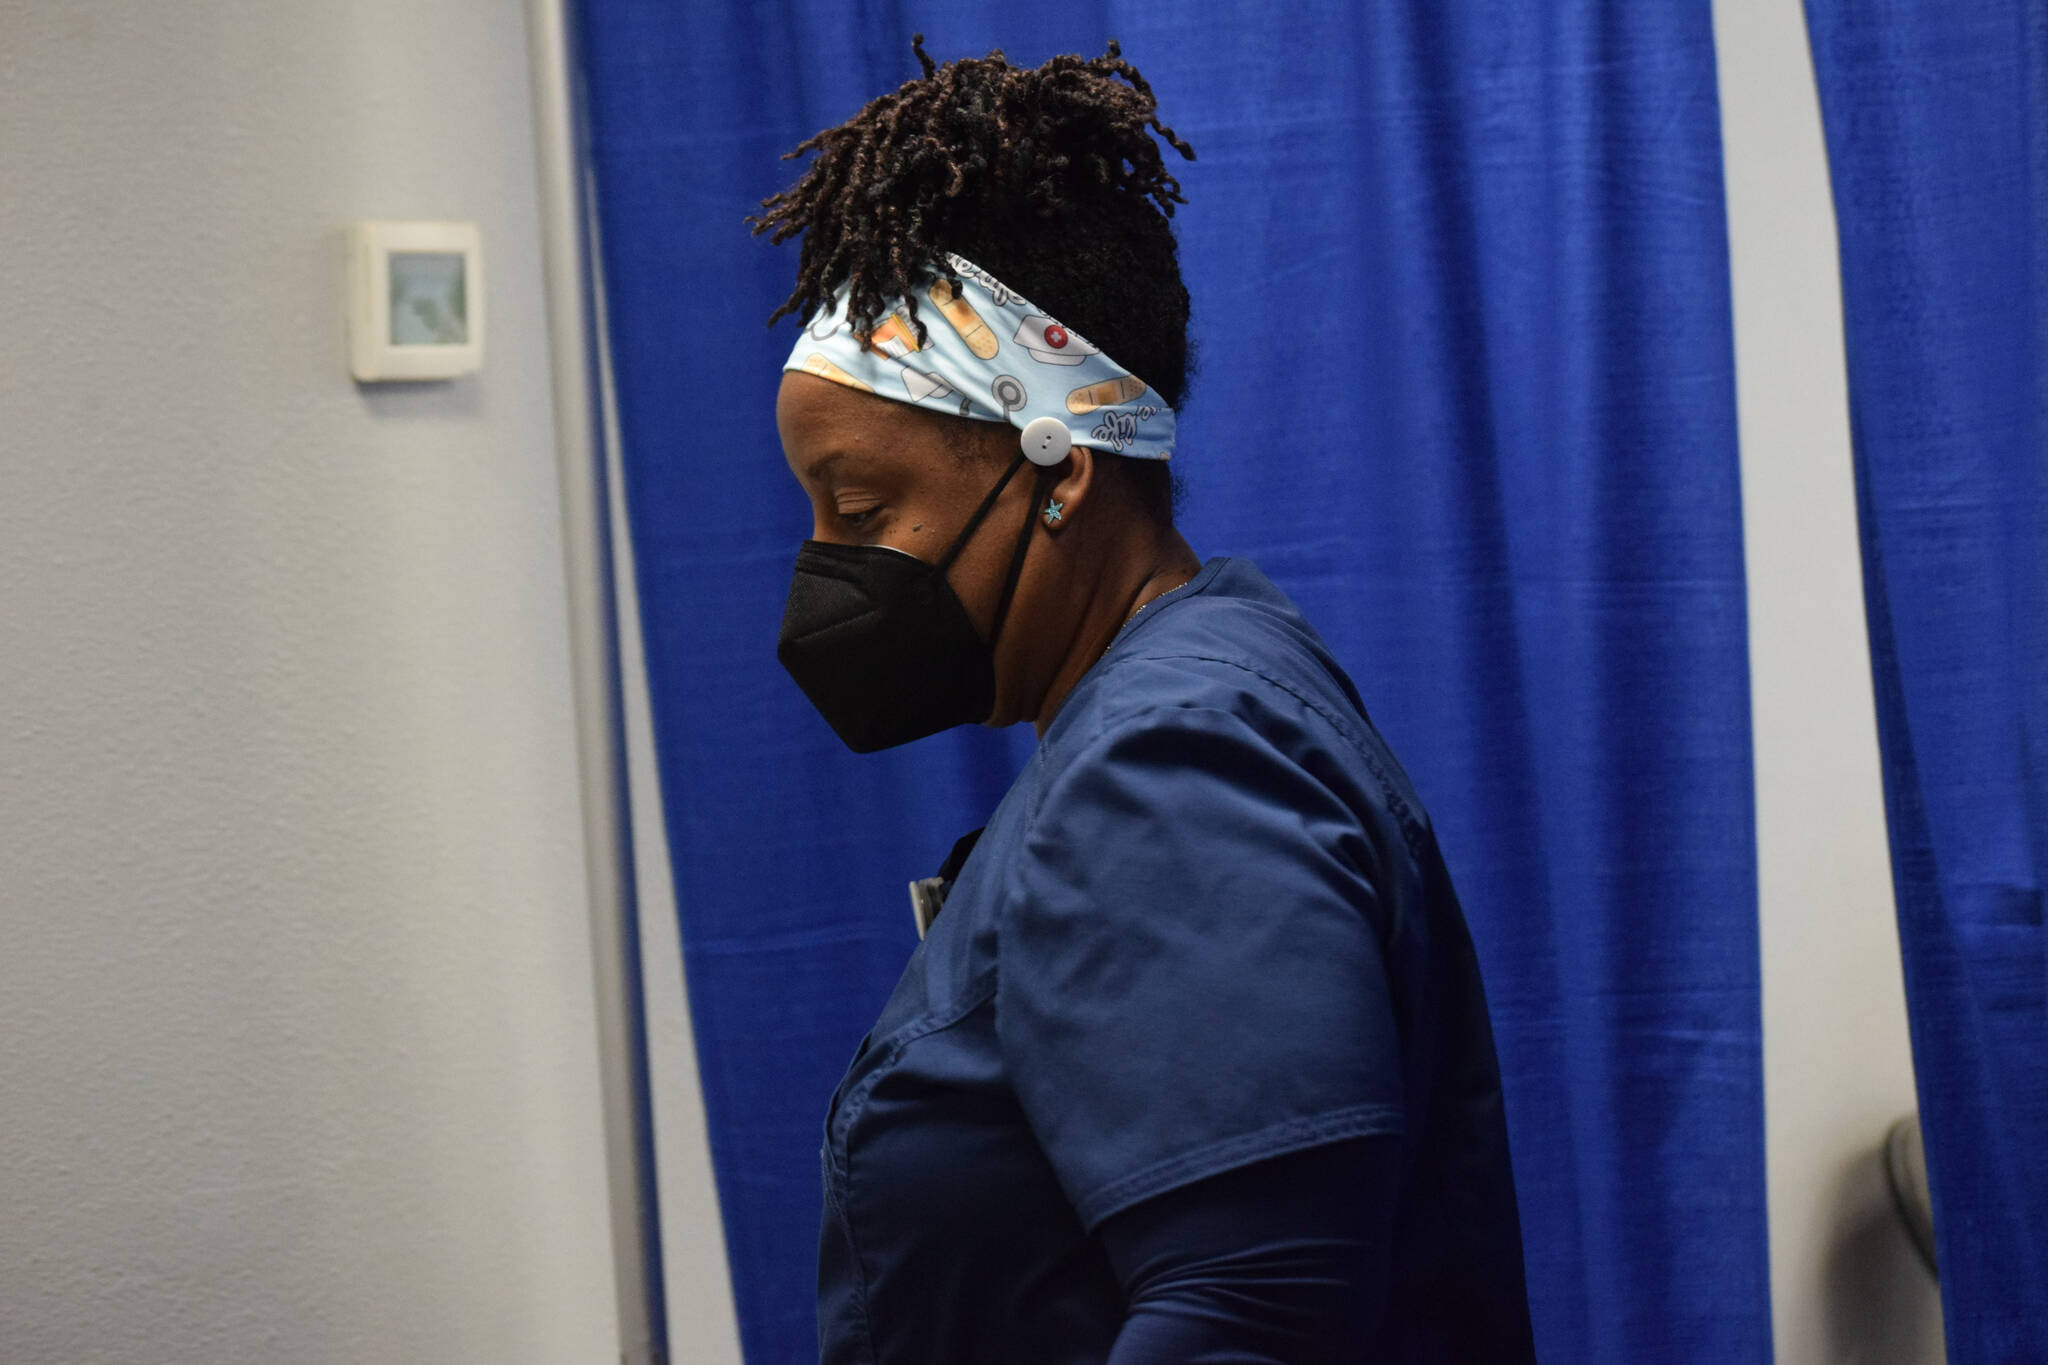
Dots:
pixel 859 518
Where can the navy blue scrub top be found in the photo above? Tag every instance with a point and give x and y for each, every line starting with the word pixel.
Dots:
pixel 1207 926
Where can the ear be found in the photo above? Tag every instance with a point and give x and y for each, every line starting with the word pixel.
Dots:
pixel 1073 479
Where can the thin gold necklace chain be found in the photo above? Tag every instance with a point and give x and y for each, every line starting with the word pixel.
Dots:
pixel 1144 607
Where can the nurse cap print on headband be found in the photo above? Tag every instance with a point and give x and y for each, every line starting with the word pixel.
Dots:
pixel 990 354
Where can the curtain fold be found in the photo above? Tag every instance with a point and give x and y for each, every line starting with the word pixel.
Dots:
pixel 1465 390
pixel 1936 115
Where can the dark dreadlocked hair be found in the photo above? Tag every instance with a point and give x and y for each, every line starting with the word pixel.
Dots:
pixel 1047 177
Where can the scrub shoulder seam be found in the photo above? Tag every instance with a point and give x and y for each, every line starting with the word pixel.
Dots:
pixel 1358 733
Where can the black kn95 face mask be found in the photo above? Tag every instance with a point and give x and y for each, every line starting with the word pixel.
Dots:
pixel 880 643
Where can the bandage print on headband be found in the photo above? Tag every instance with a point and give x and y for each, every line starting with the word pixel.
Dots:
pixel 988 353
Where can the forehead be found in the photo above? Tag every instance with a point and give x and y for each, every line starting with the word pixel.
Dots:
pixel 818 417
pixel 809 407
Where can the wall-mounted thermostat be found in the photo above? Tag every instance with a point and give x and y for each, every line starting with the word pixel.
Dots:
pixel 415 300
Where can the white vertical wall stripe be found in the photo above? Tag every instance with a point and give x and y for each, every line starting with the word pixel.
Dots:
pixel 594 654
pixel 1837 1067
pixel 703 1325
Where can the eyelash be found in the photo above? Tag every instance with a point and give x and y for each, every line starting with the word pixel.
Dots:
pixel 858 520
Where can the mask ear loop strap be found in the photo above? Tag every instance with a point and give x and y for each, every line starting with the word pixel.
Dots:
pixel 1045 480
pixel 960 541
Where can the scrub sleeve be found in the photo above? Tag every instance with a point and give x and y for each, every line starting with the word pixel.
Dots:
pixel 1191 977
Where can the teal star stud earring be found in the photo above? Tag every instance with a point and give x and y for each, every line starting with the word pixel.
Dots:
pixel 1054 511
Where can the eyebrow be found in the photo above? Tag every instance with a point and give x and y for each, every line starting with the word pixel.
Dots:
pixel 817 467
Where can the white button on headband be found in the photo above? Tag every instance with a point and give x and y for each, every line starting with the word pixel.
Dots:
pixel 1046 441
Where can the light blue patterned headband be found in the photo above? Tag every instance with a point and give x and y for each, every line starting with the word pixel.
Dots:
pixel 990 354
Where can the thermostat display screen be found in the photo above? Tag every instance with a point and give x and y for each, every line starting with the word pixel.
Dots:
pixel 429 304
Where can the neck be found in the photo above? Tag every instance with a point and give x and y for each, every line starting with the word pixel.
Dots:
pixel 1165 561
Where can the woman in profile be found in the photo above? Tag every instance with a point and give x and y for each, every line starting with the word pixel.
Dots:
pixel 1193 1063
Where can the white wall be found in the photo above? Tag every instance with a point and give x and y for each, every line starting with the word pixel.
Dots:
pixel 1845 1285
pixel 295 985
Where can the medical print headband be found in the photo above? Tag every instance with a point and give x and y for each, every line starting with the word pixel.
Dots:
pixel 990 354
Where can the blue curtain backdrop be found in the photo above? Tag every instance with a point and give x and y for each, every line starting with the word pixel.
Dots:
pixel 1937 128
pixel 1466 392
